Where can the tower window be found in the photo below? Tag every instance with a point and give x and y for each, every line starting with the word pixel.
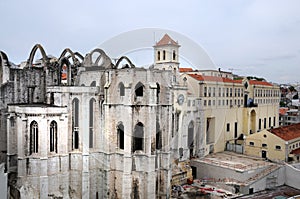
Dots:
pixel 164 55
pixel 174 55
pixel 158 55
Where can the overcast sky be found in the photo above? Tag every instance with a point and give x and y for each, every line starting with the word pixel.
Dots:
pixel 253 37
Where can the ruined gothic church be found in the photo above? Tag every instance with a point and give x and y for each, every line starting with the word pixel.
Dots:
pixel 83 127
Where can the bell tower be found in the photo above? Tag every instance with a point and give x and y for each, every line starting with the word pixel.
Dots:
pixel 166 54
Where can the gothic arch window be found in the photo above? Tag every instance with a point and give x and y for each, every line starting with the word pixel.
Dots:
pixel 138 137
pixel 34 137
pixel 120 134
pixel 53 136
pixel 93 83
pixel 174 55
pixel 139 90
pixel 158 55
pixel 75 123
pixel 91 122
pixel 164 55
pixel 122 89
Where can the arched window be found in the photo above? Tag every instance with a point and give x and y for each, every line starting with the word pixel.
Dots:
pixel 75 123
pixel 138 137
pixel 174 55
pixel 164 55
pixel 34 138
pixel 122 89
pixel 139 90
pixel 190 140
pixel 91 123
pixel 53 137
pixel 158 55
pixel 120 134
pixel 93 83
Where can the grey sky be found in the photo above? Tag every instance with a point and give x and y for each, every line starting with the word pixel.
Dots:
pixel 254 37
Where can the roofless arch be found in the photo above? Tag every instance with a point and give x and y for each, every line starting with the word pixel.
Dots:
pixel 32 54
pixel 127 59
pixel 101 59
pixel 4 59
pixel 65 51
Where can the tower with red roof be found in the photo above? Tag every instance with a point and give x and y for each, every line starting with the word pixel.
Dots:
pixel 166 54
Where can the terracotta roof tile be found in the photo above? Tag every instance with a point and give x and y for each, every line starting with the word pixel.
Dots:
pixel 296 151
pixel 183 70
pixel 166 40
pixel 282 111
pixel 214 79
pixel 287 133
pixel 256 82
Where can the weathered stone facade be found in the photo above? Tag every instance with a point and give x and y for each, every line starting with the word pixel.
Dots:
pixel 80 127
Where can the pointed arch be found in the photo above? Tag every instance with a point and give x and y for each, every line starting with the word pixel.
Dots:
pixel 53 136
pixel 127 59
pixel 4 59
pixel 121 89
pixel 34 138
pixel 4 68
pixel 139 89
pixel 75 123
pixel 120 135
pixel 106 61
pixel 32 54
pixel 72 55
pixel 93 83
pixel 138 137
pixel 77 54
pixel 252 121
pixel 67 69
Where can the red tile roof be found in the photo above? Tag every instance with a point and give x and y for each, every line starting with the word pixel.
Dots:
pixel 166 40
pixel 287 133
pixel 183 70
pixel 256 82
pixel 282 111
pixel 296 151
pixel 214 79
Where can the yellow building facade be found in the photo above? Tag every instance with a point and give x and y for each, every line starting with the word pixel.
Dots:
pixel 233 107
pixel 282 143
